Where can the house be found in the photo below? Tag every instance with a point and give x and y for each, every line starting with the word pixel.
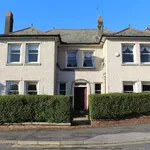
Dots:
pixel 74 62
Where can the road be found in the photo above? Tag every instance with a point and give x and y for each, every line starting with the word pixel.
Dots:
pixel 142 146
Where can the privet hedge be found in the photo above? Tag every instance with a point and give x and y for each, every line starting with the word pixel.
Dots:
pixel 118 105
pixel 36 108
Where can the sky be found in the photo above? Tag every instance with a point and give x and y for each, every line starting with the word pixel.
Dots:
pixel 48 14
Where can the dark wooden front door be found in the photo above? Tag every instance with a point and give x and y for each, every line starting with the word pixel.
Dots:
pixel 80 98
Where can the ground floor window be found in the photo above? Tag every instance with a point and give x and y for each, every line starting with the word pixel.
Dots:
pixel 97 88
pixel 12 87
pixel 62 89
pixel 146 87
pixel 128 87
pixel 31 88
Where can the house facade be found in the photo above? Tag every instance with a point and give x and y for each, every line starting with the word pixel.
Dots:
pixel 75 62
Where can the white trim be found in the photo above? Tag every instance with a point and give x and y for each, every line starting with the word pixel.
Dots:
pixel 27 54
pixel 9 50
pixel 58 87
pixel 8 84
pixel 93 58
pixel 66 57
pixel 31 81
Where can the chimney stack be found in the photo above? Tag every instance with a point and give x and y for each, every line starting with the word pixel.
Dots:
pixel 8 22
pixel 100 26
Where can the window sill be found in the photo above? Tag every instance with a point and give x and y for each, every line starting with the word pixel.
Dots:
pixel 145 64
pixel 14 64
pixel 32 64
pixel 129 64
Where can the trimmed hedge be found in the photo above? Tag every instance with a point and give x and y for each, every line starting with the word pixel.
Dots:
pixel 36 108
pixel 118 105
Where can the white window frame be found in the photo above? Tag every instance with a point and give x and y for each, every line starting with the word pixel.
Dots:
pixel 130 83
pixel 143 45
pixel 97 90
pixel 8 83
pixel 59 87
pixel 67 58
pixel 134 53
pixel 32 82
pixel 10 52
pixel 93 60
pixel 145 83
pixel 27 53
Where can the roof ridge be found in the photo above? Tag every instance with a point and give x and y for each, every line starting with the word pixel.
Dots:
pixel 20 30
pixel 122 30
pixel 27 29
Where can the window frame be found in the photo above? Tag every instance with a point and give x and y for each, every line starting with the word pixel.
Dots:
pixel 58 92
pixel 8 86
pixel 10 53
pixel 144 45
pixel 133 53
pixel 93 60
pixel 98 90
pixel 130 83
pixel 33 82
pixel 27 53
pixel 67 58
pixel 145 83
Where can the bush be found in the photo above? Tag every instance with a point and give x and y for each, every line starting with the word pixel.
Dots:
pixel 118 105
pixel 36 108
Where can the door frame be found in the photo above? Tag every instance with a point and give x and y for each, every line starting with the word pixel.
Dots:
pixel 74 86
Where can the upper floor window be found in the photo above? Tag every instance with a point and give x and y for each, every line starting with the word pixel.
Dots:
pixel 31 88
pixel 145 54
pixel 97 88
pixel 14 53
pixel 71 58
pixel 127 53
pixel 32 53
pixel 12 87
pixel 88 59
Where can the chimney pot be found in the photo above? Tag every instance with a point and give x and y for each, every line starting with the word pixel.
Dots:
pixel 100 26
pixel 8 22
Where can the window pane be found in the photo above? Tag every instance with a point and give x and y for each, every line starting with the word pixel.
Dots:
pixel 62 86
pixel 128 58
pixel 72 63
pixel 15 58
pixel 33 58
pixel 128 88
pixel 33 51
pixel 33 47
pixel 88 63
pixel 14 87
pixel 62 92
pixel 97 86
pixel 32 92
pixel 97 92
pixel 145 58
pixel 32 87
pixel 146 88
pixel 13 92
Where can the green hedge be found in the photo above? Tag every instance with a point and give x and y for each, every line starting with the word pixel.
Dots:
pixel 36 108
pixel 118 105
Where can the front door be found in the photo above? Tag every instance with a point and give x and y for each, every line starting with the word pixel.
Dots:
pixel 80 98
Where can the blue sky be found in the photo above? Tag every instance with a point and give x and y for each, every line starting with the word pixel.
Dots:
pixel 46 14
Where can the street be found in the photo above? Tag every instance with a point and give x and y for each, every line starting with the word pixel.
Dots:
pixel 142 146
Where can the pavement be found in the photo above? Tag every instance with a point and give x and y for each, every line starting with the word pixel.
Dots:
pixel 78 137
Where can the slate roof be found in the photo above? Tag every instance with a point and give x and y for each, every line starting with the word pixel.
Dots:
pixel 28 31
pixel 79 35
pixel 132 32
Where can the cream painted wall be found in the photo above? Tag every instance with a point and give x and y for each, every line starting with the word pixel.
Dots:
pixel 43 72
pixel 117 72
pixel 90 75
